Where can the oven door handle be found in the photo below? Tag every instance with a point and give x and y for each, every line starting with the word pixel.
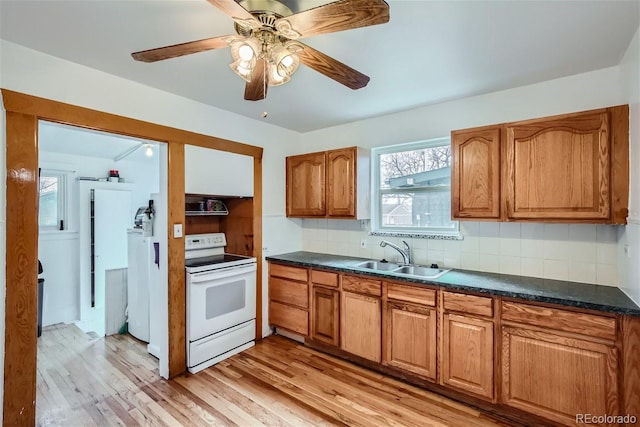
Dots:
pixel 207 276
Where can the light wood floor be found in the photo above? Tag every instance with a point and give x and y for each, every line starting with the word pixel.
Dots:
pixel 84 381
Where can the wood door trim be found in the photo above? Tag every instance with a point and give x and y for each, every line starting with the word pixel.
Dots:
pixel 45 109
pixel 22 115
pixel 177 309
pixel 20 342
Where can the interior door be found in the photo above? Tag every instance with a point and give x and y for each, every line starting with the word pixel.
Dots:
pixel 112 217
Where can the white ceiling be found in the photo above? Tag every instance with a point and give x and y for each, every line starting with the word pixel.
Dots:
pixel 59 138
pixel 429 52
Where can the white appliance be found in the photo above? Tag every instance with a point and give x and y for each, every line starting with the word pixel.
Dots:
pixel 221 301
pixel 141 260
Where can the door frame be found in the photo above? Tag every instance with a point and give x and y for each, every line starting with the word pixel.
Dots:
pixel 21 126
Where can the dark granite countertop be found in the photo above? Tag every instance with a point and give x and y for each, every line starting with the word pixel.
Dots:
pixel 594 297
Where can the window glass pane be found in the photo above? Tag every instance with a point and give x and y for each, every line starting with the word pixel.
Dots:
pixel 413 188
pixel 425 166
pixel 48 208
pixel 410 210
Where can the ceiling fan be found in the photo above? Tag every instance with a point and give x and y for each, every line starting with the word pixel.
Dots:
pixel 266 51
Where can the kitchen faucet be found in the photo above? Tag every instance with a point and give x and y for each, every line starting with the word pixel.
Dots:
pixel 406 252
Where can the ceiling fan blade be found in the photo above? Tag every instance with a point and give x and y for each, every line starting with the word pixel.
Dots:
pixel 338 16
pixel 256 89
pixel 332 68
pixel 233 9
pixel 173 51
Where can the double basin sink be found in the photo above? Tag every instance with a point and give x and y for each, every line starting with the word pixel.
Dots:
pixel 407 270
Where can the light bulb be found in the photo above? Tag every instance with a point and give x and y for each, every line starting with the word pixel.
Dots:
pixel 245 52
pixel 149 150
pixel 287 61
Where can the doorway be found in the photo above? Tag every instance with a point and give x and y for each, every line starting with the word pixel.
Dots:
pixel 86 222
pixel 22 115
pixel 86 218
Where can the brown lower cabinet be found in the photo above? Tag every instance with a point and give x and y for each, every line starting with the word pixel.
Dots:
pixel 558 363
pixel 410 342
pixel 518 357
pixel 289 298
pixel 557 376
pixel 410 329
pixel 467 354
pixel 360 325
pixel 467 343
pixel 325 320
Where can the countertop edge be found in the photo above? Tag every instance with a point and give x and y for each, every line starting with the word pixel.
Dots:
pixel 442 282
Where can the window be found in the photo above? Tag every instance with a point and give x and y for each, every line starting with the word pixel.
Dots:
pixel 52 204
pixel 412 188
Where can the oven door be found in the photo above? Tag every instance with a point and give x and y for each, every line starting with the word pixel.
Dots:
pixel 220 299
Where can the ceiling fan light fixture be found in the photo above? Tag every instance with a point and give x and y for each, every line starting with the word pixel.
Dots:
pixel 245 53
pixel 284 63
pixel 265 51
pixel 274 78
pixel 242 69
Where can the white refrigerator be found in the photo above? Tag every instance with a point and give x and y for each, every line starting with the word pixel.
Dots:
pixel 141 261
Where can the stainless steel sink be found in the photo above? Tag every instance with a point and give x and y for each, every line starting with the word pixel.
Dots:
pixel 419 271
pixel 407 270
pixel 377 265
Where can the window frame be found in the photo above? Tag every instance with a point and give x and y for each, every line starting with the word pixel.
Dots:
pixel 376 226
pixel 62 199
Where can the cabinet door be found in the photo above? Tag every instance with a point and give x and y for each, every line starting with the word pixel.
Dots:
pixel 306 185
pixel 475 181
pixel 556 376
pixel 209 171
pixel 325 320
pixel 410 338
pixel 467 354
pixel 341 181
pixel 559 168
pixel 360 325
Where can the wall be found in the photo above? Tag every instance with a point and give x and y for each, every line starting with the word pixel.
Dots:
pixel 59 256
pixel 629 248
pixel 3 245
pixel 576 252
pixel 584 253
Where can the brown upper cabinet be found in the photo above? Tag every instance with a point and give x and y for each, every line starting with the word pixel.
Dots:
pixel 476 173
pixel 568 168
pixel 329 184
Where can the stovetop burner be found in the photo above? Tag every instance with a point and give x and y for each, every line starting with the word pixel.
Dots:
pixel 214 259
pixel 205 252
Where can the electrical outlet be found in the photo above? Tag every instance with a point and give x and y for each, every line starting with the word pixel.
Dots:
pixel 363 243
pixel 177 231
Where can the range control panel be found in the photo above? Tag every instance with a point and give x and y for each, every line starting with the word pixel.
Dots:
pixel 205 241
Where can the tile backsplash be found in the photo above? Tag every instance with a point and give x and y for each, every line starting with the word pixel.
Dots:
pixel 575 252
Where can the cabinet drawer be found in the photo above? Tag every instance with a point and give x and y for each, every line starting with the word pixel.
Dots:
pixel 568 321
pixel 325 278
pixel 285 291
pixel 472 304
pixel 293 273
pixel 287 317
pixel 361 285
pixel 413 294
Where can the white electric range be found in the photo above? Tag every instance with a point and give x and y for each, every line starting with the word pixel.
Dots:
pixel 221 300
